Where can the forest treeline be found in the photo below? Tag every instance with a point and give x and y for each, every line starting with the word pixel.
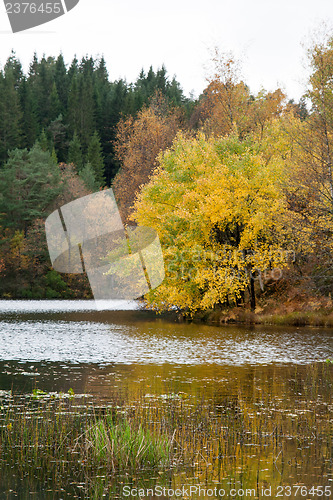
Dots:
pixel 70 108
pixel 58 132
pixel 238 185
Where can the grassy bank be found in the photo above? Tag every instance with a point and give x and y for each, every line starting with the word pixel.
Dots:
pixel 321 317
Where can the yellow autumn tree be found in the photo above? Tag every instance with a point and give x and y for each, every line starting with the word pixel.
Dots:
pixel 309 172
pixel 216 205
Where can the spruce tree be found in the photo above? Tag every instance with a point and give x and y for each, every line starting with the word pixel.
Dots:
pixel 55 105
pixel 73 110
pixel 75 152
pixel 43 141
pixel 61 81
pixel 87 109
pixel 30 125
pixel 14 66
pixel 10 113
pixel 43 87
pixel 57 131
pixel 88 176
pixel 95 158
pixel 54 155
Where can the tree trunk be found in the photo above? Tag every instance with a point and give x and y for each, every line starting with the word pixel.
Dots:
pixel 252 294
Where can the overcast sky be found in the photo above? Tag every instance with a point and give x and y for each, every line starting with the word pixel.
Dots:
pixel 132 34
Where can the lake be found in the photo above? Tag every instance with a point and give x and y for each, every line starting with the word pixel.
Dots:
pixel 128 353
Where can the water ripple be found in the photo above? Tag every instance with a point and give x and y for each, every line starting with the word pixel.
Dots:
pixel 105 343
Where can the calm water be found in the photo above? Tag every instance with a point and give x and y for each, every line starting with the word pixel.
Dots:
pixel 126 352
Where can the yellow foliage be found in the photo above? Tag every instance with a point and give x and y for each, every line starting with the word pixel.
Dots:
pixel 217 206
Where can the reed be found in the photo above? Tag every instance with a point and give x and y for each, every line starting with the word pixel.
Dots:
pixel 60 438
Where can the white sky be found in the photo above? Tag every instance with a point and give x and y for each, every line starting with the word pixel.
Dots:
pixel 266 35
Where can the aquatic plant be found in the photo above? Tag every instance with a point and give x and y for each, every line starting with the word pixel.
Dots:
pixel 71 441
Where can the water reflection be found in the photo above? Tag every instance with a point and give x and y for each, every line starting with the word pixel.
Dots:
pixel 134 336
pixel 39 306
pixel 132 382
pixel 259 377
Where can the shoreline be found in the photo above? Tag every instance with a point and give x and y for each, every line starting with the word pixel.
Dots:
pixel 296 316
pixel 320 318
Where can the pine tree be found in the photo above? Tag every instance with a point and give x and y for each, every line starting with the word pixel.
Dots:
pixel 43 141
pixel 43 88
pixel 30 125
pixel 54 155
pixel 88 176
pixel 81 108
pixel 10 113
pixel 101 71
pixel 29 182
pixel 58 133
pixel 87 109
pixel 61 81
pixel 15 67
pixel 73 110
pixel 33 68
pixel 55 105
pixel 75 152
pixel 95 158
